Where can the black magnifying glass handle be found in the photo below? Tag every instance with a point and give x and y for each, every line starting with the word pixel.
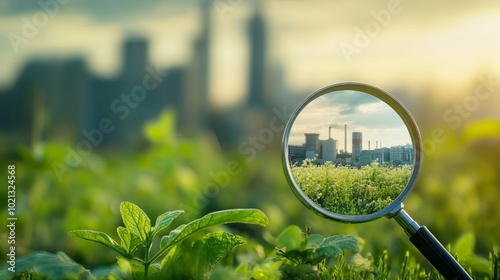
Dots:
pixel 431 248
pixel 437 255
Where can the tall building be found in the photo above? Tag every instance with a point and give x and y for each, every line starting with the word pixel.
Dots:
pixel 257 72
pixel 357 145
pixel 134 60
pixel 312 145
pixel 194 112
pixel 139 95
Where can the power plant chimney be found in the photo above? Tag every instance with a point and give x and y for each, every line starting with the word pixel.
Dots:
pixel 369 145
pixel 329 132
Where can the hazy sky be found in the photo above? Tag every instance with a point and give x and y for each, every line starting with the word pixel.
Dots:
pixel 360 111
pixel 420 44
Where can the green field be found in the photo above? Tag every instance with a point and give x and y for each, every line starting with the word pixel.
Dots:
pixel 457 201
pixel 351 191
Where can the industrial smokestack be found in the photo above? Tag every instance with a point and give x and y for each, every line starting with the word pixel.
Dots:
pixel 345 138
pixel 376 145
pixel 369 146
pixel 329 132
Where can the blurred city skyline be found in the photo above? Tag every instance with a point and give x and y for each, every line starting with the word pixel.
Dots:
pixel 73 100
pixel 385 44
pixel 413 52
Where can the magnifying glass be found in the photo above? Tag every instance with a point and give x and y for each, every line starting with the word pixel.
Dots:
pixel 364 177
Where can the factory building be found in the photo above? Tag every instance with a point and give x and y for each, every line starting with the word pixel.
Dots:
pixel 401 155
pixel 329 150
pixel 380 155
pixel 296 154
pixel 312 145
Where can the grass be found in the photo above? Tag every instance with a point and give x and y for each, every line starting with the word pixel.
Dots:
pixel 351 191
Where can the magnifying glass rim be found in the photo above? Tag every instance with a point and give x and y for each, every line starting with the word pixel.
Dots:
pixel 403 113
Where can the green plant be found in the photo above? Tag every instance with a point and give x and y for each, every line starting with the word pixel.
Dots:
pixel 138 232
pixel 351 191
pixel 305 255
pixel 298 255
pixel 495 264
pixel 302 255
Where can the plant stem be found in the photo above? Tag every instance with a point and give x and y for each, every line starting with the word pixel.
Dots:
pixel 146 261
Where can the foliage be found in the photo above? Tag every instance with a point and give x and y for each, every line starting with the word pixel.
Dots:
pixel 464 248
pixel 456 195
pixel 495 264
pixel 90 189
pixel 44 265
pixel 460 178
pixel 298 255
pixel 305 255
pixel 302 255
pixel 138 232
pixel 351 191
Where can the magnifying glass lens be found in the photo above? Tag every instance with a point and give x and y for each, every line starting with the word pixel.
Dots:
pixel 350 154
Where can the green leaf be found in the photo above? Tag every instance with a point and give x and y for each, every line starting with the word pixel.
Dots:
pixel 247 216
pixel 313 240
pixel 173 265
pixel 291 238
pixel 132 268
pixel 165 219
pixel 161 130
pixel 136 221
pixel 358 261
pixel 129 242
pixel 168 239
pixel 212 248
pixel 334 245
pixel 267 270
pixel 99 237
pixel 464 246
pixel 52 266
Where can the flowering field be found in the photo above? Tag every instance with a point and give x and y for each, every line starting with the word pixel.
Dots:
pixel 351 191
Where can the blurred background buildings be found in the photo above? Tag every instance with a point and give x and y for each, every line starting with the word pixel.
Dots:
pixel 66 98
pixel 208 87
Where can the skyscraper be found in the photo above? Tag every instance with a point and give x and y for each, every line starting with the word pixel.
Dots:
pixel 135 59
pixel 257 83
pixel 195 102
